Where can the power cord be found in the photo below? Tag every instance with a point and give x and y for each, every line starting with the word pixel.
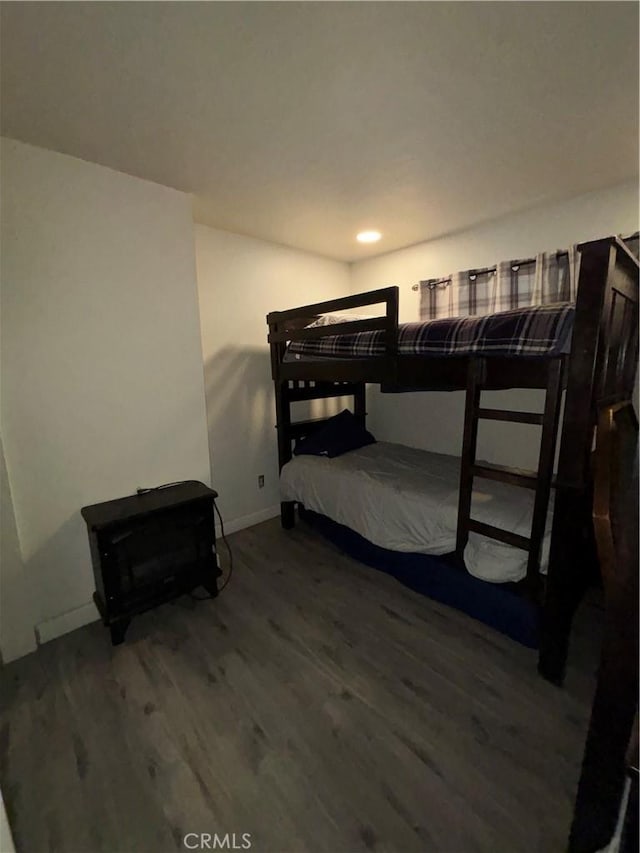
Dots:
pixel 227 546
pixel 224 538
pixel 229 551
pixel 168 486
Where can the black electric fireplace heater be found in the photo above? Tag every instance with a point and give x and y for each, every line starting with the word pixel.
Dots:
pixel 149 548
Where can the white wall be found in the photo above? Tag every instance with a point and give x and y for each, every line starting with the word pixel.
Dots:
pixel 102 382
pixel 17 637
pixel 434 421
pixel 240 280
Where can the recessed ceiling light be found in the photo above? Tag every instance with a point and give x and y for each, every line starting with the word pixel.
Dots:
pixel 368 236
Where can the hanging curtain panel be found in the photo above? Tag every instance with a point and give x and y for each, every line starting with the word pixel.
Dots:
pixel 547 279
pixel 515 284
pixel 544 280
pixel 556 277
pixel 466 294
pixel 476 292
pixel 436 298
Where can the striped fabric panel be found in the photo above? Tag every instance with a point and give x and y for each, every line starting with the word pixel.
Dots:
pixel 436 298
pixel 548 278
pixel 476 293
pixel 542 330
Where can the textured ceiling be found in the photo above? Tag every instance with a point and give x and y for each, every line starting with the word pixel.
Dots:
pixel 303 123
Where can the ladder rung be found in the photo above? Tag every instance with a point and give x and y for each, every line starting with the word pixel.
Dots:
pixel 501 535
pixel 504 474
pixel 516 417
pixel 321 392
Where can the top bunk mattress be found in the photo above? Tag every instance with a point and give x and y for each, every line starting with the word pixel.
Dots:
pixel 405 499
pixel 539 331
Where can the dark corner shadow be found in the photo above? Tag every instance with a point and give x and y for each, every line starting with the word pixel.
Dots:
pixel 241 414
pixel 237 380
pixel 238 383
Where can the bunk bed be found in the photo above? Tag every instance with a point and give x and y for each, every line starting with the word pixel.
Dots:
pixel 588 350
pixel 607 796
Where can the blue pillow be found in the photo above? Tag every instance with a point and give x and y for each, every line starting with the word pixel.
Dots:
pixel 339 435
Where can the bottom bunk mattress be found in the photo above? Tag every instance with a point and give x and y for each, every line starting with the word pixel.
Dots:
pixel 406 500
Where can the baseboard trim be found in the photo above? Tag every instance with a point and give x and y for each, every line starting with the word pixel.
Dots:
pixel 11 650
pixel 249 520
pixel 49 629
pixel 66 622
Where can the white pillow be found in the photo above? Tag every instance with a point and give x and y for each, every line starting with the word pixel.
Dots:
pixel 334 319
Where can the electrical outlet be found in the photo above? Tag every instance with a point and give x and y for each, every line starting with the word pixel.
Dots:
pixel 261 481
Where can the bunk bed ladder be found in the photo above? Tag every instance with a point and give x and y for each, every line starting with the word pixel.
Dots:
pixel 539 480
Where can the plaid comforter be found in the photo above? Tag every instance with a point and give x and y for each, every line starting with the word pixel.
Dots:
pixel 541 330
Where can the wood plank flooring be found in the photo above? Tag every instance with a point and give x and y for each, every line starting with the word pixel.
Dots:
pixel 317 705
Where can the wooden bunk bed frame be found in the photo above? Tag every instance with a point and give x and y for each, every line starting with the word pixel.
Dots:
pixel 600 370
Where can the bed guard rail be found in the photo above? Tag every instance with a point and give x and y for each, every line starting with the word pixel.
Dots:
pixel 291 325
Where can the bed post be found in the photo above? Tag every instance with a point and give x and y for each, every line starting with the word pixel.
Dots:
pixel 475 375
pixel 611 729
pixel 360 404
pixel 601 369
pixel 567 576
pixel 283 417
pixel 283 425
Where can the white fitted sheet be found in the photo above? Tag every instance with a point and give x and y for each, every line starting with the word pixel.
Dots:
pixel 406 499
